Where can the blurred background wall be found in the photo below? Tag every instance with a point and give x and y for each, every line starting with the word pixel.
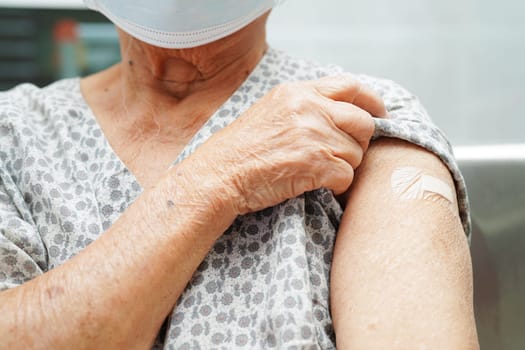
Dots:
pixel 465 59
pixel 41 44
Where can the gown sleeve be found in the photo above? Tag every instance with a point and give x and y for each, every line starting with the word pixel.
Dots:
pixel 408 120
pixel 22 254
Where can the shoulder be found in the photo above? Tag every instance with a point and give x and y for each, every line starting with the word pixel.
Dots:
pixel 30 100
pixel 30 117
pixel 396 97
pixel 291 68
pixel 27 106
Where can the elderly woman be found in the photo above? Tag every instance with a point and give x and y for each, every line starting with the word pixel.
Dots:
pixel 197 195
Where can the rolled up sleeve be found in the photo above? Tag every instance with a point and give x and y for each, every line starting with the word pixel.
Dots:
pixel 408 120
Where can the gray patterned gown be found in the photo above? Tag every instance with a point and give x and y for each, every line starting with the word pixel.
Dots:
pixel 265 282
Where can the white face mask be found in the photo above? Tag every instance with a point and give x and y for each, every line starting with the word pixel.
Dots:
pixel 178 24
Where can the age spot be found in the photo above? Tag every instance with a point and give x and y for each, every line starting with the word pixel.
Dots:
pixel 54 291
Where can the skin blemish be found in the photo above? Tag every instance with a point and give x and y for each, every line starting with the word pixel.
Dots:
pixel 54 291
pixel 130 62
pixel 170 204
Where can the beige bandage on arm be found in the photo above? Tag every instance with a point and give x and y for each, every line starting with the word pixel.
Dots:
pixel 410 183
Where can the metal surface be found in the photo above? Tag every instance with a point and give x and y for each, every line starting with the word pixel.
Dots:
pixel 497 193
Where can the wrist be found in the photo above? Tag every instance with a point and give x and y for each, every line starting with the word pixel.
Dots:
pixel 195 186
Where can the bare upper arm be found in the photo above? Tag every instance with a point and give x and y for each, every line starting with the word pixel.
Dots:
pixel 401 275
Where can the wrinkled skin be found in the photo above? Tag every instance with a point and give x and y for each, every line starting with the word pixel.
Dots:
pixel 299 137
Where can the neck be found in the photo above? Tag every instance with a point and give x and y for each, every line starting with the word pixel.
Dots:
pixel 172 76
pixel 169 94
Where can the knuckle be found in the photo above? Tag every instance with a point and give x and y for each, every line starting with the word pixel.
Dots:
pixel 347 180
pixel 284 90
pixel 369 131
pixel 295 104
pixel 366 124
pixel 354 154
pixel 342 178
pixel 292 96
pixel 350 81
pixel 358 158
pixel 348 77
pixel 364 146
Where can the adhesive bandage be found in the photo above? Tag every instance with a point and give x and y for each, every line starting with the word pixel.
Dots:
pixel 410 183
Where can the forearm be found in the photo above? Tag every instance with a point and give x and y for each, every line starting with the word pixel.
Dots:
pixel 401 275
pixel 117 292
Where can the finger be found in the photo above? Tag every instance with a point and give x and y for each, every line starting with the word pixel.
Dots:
pixel 338 177
pixel 345 147
pixel 370 101
pixel 346 88
pixel 352 120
